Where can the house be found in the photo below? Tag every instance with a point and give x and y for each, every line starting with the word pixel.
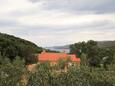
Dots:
pixel 53 58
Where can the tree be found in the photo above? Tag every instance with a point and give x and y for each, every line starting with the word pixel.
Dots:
pixel 42 75
pixel 78 48
pixel 11 47
pixel 10 73
pixel 84 60
pixel 90 49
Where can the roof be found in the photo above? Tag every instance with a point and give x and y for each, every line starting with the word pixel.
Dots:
pixel 48 56
pixel 74 58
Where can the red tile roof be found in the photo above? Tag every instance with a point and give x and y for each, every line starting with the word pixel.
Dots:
pixel 46 56
pixel 74 58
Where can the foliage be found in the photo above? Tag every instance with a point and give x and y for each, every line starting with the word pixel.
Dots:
pixel 11 47
pixel 94 55
pixel 78 48
pixel 10 73
pixel 85 76
pixel 97 65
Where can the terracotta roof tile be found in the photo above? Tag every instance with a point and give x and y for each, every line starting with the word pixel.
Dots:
pixel 46 56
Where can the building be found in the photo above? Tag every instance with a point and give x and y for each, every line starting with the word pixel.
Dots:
pixel 53 58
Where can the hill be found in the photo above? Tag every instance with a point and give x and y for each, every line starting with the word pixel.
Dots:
pixel 101 44
pixel 11 46
pixel 106 43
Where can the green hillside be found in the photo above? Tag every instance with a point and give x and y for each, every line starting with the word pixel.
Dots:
pixel 106 43
pixel 11 46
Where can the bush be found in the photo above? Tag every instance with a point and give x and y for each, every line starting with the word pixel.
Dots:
pixel 10 73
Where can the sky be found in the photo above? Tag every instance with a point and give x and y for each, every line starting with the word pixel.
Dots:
pixel 58 22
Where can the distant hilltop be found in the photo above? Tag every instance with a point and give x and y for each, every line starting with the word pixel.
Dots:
pixel 105 43
pixel 66 47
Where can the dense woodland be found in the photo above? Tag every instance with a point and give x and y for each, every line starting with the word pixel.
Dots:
pixel 94 55
pixel 11 47
pixel 97 65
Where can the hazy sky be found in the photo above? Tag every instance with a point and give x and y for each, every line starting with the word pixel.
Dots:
pixel 58 22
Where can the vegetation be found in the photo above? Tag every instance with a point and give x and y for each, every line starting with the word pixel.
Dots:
pixel 11 47
pixel 97 65
pixel 93 54
pixel 11 73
